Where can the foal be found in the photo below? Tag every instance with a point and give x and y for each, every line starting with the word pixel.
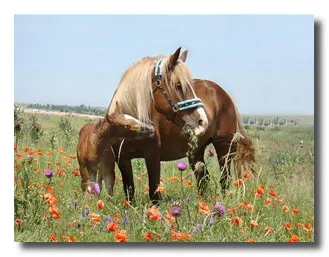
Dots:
pixel 94 150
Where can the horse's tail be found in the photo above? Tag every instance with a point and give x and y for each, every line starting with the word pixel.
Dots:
pixel 245 156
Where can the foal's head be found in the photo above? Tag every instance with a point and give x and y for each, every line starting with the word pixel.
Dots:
pixel 126 126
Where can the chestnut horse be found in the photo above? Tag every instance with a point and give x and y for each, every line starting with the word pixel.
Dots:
pixel 224 132
pixel 152 90
pixel 94 150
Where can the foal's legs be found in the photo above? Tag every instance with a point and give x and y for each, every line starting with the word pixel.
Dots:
pixel 106 168
pixel 201 175
pixel 225 150
pixel 84 177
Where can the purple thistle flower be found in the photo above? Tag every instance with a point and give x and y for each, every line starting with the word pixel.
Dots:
pixel 94 189
pixel 176 210
pixel 181 165
pixel 219 209
pixel 211 152
pixel 74 204
pixel 29 158
pixel 276 162
pixel 49 173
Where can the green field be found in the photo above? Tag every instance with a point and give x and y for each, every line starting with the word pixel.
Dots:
pixel 281 211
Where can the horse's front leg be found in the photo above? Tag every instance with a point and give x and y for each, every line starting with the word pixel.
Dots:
pixel 127 178
pixel 152 160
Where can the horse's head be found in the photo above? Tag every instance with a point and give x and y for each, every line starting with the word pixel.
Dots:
pixel 174 96
pixel 126 126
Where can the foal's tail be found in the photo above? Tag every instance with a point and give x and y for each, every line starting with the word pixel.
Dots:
pixel 245 157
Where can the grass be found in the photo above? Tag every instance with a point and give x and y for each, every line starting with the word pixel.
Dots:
pixel 272 207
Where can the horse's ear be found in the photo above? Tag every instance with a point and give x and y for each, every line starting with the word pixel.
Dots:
pixel 173 59
pixel 183 56
pixel 117 108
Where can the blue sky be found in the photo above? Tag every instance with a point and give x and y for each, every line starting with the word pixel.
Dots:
pixel 265 62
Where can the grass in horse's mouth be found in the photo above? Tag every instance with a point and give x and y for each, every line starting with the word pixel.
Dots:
pixel 193 141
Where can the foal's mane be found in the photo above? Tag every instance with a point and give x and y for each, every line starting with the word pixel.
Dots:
pixel 134 93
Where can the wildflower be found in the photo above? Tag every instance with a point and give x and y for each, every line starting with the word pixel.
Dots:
pixel 181 165
pixel 95 217
pixel 112 226
pixel 49 153
pixel 29 158
pixel 54 210
pixel 250 240
pixel 50 199
pixel 253 223
pixel 121 236
pixel 100 204
pixel 203 208
pixel 188 183
pixel 259 191
pixel 18 222
pixel 148 236
pixel 285 208
pixel 126 202
pixel 232 211
pixel 72 156
pixel 269 229
pixel 170 218
pixel 238 182
pixel 273 193
pixel 219 209
pixel 308 227
pixel 153 213
pixel 211 152
pixel 49 173
pixel 73 239
pixel 295 211
pixel 237 221
pixel 65 238
pixel 287 225
pixel 176 210
pixel 293 238
pixel 300 225
pixel 268 201
pixel 276 162
pixel 94 189
pixel 246 175
pixel 199 167
pixel 175 236
pixel 53 238
pixel 116 217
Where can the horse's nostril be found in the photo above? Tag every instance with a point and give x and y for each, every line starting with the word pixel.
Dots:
pixel 201 123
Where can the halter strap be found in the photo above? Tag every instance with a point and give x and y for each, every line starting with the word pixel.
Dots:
pixel 180 106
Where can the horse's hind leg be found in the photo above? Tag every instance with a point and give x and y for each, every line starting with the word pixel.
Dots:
pixel 201 173
pixel 225 150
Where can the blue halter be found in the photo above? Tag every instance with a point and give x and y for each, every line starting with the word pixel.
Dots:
pixel 180 106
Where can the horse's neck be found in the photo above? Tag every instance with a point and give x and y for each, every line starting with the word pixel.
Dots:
pixel 105 134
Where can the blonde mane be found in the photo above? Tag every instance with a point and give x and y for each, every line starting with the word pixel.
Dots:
pixel 134 93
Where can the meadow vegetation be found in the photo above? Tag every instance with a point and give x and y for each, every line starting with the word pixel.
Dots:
pixel 275 206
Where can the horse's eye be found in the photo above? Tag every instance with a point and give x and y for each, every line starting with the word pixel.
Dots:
pixel 178 85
